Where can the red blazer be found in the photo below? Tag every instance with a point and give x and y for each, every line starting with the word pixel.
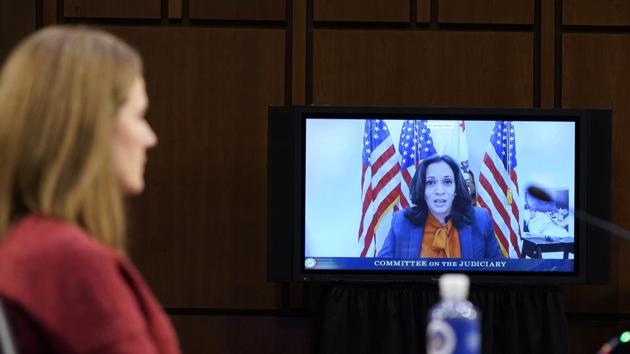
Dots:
pixel 66 293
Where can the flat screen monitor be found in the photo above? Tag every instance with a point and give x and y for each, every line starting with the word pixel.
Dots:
pixel 412 193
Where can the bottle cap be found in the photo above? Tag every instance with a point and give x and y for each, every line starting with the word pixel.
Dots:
pixel 454 286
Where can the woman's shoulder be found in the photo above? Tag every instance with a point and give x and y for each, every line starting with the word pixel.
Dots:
pixel 46 257
pixel 49 236
pixel 68 282
pixel 482 215
pixel 481 211
pixel 39 246
pixel 401 218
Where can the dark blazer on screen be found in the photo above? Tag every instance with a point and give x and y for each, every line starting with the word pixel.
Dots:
pixel 477 240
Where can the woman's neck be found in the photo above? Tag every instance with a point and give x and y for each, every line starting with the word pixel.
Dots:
pixel 440 217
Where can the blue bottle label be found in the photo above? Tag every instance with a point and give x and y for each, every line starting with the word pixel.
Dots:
pixel 453 336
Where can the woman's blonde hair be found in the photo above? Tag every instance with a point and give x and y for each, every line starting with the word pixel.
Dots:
pixel 60 91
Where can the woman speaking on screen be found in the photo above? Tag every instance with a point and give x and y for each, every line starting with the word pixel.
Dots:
pixel 443 223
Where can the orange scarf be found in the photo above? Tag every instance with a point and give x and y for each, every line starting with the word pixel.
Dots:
pixel 440 241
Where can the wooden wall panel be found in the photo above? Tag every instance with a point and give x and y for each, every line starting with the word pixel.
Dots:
pixel 595 75
pixel 271 10
pixel 298 48
pixel 112 8
pixel 600 12
pixel 423 13
pixel 17 19
pixel 547 54
pixel 473 69
pixel 200 232
pixel 361 10
pixel 49 12
pixel 486 11
pixel 243 334
pixel 175 9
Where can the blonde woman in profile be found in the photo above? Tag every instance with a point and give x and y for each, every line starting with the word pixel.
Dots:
pixel 73 142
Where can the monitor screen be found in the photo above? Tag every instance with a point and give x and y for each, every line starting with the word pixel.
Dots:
pixel 429 194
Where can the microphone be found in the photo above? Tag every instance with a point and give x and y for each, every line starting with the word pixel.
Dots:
pixel 541 195
pixel 616 344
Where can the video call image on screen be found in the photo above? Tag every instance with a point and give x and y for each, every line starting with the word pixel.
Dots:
pixel 359 208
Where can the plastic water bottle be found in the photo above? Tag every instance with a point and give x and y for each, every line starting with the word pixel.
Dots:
pixel 454 322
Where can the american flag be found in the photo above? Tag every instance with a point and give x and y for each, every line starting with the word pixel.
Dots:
pixel 380 181
pixel 415 145
pixel 498 190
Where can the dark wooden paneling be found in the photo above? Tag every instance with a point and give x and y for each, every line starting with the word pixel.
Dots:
pixel 17 19
pixel 423 13
pixel 241 334
pixel 112 8
pixel 600 12
pixel 200 227
pixel 595 75
pixel 49 12
pixel 271 10
pixel 361 10
pixel 174 9
pixel 547 54
pixel 299 52
pixel 422 68
pixel 487 11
